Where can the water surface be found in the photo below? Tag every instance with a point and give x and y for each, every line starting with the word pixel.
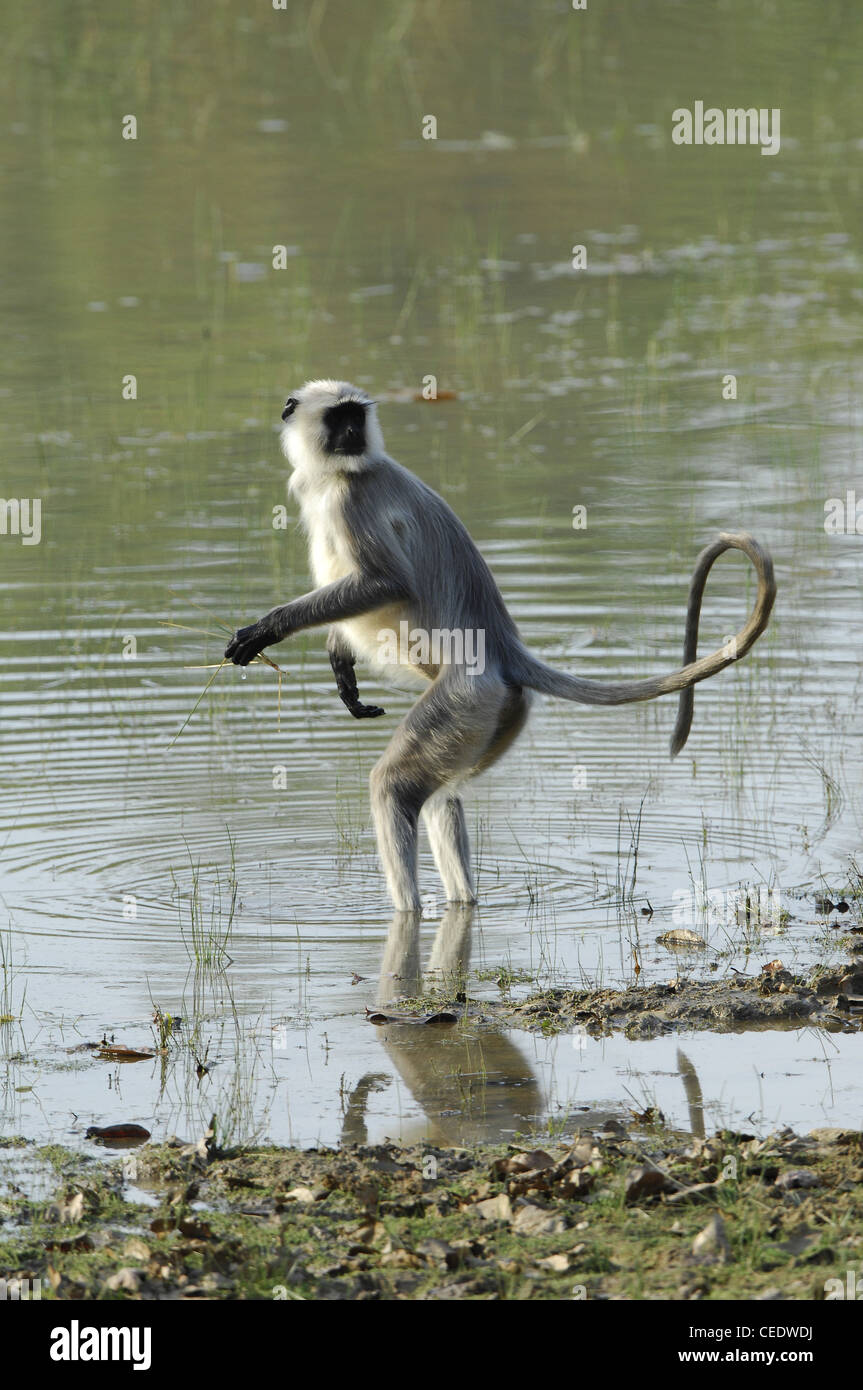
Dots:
pixel 407 258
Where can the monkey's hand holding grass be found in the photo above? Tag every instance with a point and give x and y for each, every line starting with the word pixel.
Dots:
pixel 246 644
pixel 332 603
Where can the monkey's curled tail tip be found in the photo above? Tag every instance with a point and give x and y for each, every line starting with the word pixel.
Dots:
pixel 685 712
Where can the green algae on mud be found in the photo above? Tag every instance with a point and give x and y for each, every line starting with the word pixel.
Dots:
pixel 616 1215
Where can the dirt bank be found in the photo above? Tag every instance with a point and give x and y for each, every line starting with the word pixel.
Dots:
pixel 832 999
pixel 616 1215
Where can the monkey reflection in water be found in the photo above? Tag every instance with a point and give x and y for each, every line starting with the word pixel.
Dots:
pixel 473 1085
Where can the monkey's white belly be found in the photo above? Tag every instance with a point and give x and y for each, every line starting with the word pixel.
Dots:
pixel 376 637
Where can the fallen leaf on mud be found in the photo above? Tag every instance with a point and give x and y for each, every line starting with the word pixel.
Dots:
pixel 584 1151
pixel 575 1184
pixel 300 1194
pixel 75 1244
pixel 559 1264
pixel 494 1208
pixel 532 1162
pixel 68 1211
pixel 401 1259
pixel 712 1242
pixel 440 1250
pixel 124 1281
pixel 195 1230
pixel 845 1138
pixel 650 1116
pixel 697 1192
pixel 440 1016
pixel 648 1182
pixel 531 1220
pixel 797 1177
pixel 682 936
pixel 371 1233
pixel 116 1052
pixel 136 1249
pixel 119 1136
pixel 536 1172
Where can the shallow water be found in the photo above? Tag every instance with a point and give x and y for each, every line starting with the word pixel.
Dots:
pixel 602 388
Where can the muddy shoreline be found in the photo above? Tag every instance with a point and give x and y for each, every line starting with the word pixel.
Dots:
pixel 620 1210
pixel 831 999
pixel 617 1214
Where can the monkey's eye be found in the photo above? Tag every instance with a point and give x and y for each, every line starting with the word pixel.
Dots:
pixel 290 406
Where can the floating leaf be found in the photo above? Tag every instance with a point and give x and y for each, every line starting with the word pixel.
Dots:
pixel 119 1136
pixel 682 936
pixel 116 1052
pixel 440 1016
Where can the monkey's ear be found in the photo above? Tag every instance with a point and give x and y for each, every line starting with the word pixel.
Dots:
pixel 290 406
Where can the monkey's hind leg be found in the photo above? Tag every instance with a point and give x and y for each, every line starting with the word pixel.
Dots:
pixel 343 661
pixel 437 743
pixel 443 814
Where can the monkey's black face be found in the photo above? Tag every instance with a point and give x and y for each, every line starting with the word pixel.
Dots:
pixel 345 428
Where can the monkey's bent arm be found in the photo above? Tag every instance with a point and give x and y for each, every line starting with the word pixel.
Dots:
pixel 343 662
pixel 345 598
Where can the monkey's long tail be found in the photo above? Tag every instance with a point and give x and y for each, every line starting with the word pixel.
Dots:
pixel 537 676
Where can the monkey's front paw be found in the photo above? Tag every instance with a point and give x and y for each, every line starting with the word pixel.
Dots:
pixel 360 711
pixel 245 645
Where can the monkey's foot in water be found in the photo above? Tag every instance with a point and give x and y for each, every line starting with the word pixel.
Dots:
pixel 245 645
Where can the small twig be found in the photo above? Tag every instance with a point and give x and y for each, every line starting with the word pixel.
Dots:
pixel 201 609
pixel 163 622
pixel 216 668
pixel 222 663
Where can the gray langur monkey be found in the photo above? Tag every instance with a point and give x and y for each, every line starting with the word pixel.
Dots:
pixel 389 554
